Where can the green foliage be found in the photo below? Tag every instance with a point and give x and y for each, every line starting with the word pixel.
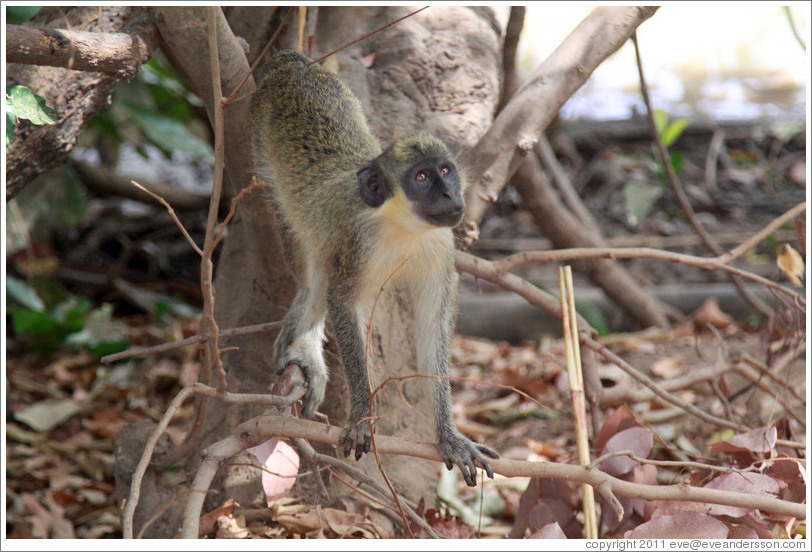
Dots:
pixel 639 198
pixel 21 103
pixel 69 323
pixel 669 132
pixel 166 133
pixel 57 201
pixel 20 14
pixel 594 316
pixel 157 108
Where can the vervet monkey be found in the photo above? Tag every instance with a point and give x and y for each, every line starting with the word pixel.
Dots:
pixel 352 216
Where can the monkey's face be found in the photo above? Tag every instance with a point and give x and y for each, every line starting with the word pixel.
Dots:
pixel 433 188
pixel 417 179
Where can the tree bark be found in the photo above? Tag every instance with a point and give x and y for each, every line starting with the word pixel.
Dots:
pixel 119 53
pixel 75 96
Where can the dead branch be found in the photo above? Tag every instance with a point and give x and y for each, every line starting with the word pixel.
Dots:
pixel 261 428
pixel 536 103
pixel 118 53
pixel 280 401
pixel 565 230
pixel 103 181
pixel 513 30
pixel 550 163
pixel 713 263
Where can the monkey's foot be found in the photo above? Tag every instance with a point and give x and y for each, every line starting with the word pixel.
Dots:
pixel 356 435
pixel 458 449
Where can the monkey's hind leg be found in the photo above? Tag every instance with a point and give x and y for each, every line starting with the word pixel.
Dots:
pixel 301 340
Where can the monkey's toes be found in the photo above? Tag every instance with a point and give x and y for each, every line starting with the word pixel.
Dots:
pixel 463 452
pixel 357 435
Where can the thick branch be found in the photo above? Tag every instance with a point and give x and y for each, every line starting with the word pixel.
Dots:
pixel 536 103
pixel 103 181
pixel 261 428
pixel 118 53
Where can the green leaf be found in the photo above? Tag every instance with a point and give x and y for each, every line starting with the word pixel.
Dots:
pixel 660 120
pixel 28 105
pixel 674 131
pixel 50 290
pixel 676 160
pixel 26 321
pixel 11 121
pixel 101 334
pixel 594 316
pixel 167 133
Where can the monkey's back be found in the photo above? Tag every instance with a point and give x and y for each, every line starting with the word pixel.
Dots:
pixel 310 138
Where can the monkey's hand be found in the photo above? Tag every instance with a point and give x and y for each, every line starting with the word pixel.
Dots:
pixel 455 448
pixel 357 435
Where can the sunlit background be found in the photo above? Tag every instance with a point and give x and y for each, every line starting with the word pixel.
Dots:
pixel 721 60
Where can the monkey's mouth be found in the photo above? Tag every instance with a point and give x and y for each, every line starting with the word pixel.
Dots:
pixel 449 218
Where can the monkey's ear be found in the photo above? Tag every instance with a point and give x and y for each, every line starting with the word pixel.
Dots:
pixel 373 185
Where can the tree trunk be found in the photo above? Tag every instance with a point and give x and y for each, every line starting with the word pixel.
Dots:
pixel 437 72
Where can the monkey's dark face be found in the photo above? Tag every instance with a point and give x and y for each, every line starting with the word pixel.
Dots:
pixel 433 187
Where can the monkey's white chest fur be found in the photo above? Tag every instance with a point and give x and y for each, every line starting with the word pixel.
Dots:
pixel 407 248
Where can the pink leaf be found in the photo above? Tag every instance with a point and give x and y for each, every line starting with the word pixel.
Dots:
pixel 682 525
pixel 551 531
pixel 751 483
pixel 281 465
pixel 638 440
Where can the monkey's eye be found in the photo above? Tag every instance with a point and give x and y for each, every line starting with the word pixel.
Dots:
pixel 445 170
pixel 421 176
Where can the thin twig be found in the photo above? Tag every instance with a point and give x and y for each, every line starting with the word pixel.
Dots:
pixel 762 234
pixel 207 267
pixel 398 20
pixel 230 99
pixel 141 468
pixel 580 253
pixel 255 184
pixel 197 338
pixel 172 214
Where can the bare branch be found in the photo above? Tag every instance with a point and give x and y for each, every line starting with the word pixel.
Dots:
pixel 118 53
pixel 261 428
pixel 536 103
